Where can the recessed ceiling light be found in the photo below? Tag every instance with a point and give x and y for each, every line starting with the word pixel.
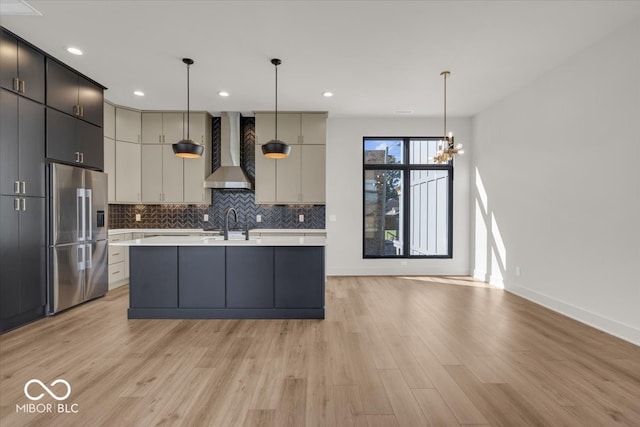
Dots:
pixel 403 112
pixel 223 93
pixel 74 51
pixel 327 94
pixel 138 93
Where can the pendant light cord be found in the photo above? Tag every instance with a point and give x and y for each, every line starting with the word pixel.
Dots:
pixel 445 107
pixel 276 101
pixel 188 112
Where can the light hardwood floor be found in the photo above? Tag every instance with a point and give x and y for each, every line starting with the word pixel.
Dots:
pixel 440 351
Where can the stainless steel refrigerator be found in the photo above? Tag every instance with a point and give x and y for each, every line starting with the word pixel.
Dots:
pixel 78 267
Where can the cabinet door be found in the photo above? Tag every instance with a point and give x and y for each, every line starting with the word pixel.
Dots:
pixel 264 128
pixel 31 72
pixel 152 128
pixel 289 128
pixel 127 172
pixel 197 128
pixel 249 287
pixel 31 120
pixel 173 128
pixel 90 98
pixel 201 282
pixel 312 173
pixel 61 137
pixel 8 60
pixel 110 168
pixel 151 173
pixel 172 176
pixel 128 123
pixel 288 177
pixel 314 128
pixel 9 257
pixel 194 175
pixel 90 141
pixel 154 277
pixel 109 121
pixel 62 88
pixel 299 277
pixel 32 253
pixel 265 191
pixel 8 141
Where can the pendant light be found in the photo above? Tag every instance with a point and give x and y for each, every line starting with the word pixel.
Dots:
pixel 186 148
pixel 276 149
pixel 446 148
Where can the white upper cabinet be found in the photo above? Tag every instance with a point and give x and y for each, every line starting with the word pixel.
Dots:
pixel 162 128
pixel 128 125
pixel 300 178
pixel 109 121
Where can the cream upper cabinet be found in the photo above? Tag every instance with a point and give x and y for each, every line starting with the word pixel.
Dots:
pixel 110 168
pixel 128 172
pixel 300 178
pixel 265 186
pixel 196 170
pixel 159 127
pixel 128 125
pixel 109 122
pixel 162 174
pixel 199 129
pixel 172 176
pixel 151 173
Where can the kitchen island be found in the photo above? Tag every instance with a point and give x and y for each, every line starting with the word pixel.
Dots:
pixel 205 277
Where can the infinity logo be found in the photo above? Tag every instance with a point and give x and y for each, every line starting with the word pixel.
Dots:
pixel 52 394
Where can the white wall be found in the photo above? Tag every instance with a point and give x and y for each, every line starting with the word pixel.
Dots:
pixel 344 196
pixel 558 188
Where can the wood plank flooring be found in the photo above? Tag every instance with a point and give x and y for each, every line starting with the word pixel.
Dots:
pixel 393 351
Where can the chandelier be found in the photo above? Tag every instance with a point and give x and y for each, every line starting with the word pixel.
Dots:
pixel 447 149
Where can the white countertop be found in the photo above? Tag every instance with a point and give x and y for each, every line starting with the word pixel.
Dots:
pixel 218 241
pixel 306 231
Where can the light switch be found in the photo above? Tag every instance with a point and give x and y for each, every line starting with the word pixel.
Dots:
pixel 300 218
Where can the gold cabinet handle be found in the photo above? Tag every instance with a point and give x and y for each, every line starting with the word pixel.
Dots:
pixel 16 187
pixel 23 86
pixel 24 204
pixel 115 272
pixel 16 204
pixel 23 187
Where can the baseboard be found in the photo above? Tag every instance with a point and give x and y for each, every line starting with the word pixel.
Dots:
pixel 612 327
pixel 397 271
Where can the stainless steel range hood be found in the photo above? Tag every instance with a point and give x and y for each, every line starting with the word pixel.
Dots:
pixel 229 175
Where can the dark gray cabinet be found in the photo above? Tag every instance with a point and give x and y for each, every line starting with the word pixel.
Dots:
pixel 73 141
pixel 73 94
pixel 22 260
pixel 249 277
pixel 154 270
pixel 22 144
pixel 201 277
pixel 299 277
pixel 21 67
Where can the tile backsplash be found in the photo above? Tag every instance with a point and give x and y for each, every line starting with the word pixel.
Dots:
pixel 192 216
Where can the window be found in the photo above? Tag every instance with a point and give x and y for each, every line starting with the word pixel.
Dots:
pixel 408 199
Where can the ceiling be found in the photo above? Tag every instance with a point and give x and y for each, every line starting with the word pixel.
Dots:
pixel 377 57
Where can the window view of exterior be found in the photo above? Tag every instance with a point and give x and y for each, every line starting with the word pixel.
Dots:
pixel 407 199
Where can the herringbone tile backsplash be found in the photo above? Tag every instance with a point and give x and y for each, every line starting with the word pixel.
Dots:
pixel 191 216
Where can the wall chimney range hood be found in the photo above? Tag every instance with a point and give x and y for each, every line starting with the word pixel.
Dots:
pixel 229 176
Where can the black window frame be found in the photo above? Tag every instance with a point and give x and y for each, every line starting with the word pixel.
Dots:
pixel 406 169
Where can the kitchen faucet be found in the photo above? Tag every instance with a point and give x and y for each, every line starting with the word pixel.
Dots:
pixel 226 221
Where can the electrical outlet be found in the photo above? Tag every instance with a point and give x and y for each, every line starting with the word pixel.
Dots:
pixel 333 218
pixel 403 262
pixel 206 217
pixel 138 217
pixel 300 218
pixel 258 218
pixel 518 271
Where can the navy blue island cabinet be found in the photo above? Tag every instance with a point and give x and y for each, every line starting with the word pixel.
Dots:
pixel 226 282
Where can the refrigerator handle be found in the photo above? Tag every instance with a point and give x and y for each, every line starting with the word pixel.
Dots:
pixel 81 212
pixel 89 213
pixel 81 258
pixel 89 257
